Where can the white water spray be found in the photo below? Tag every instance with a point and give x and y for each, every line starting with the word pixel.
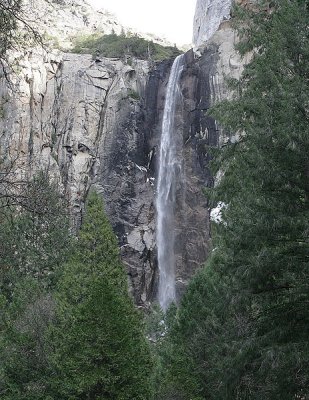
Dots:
pixel 169 169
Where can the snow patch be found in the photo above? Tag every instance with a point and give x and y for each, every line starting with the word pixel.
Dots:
pixel 216 213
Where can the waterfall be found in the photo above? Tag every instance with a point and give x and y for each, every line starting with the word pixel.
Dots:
pixel 170 165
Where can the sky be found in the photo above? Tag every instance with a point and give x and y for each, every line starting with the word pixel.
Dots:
pixel 172 19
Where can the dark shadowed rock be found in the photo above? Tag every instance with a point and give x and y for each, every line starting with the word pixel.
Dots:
pixel 98 122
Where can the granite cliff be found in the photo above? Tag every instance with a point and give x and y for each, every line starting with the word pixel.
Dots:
pixel 208 16
pixel 97 121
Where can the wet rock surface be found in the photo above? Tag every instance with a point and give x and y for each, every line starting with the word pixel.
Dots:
pixel 98 122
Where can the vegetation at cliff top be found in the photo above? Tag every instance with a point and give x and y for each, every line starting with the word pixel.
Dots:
pixel 122 46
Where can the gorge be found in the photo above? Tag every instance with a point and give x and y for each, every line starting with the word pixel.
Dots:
pixel 154 205
pixel 97 122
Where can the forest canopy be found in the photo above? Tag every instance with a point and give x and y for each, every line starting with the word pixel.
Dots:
pixel 68 326
pixel 242 329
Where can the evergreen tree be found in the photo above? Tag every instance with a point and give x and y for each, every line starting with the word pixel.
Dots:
pixel 35 239
pixel 16 30
pixel 113 45
pixel 100 351
pixel 24 350
pixel 35 235
pixel 243 324
pixel 9 13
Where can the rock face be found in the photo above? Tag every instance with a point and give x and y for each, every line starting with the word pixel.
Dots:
pixel 59 21
pixel 88 122
pixel 98 122
pixel 208 16
pixel 202 84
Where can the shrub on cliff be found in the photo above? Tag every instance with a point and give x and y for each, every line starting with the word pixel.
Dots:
pixel 121 46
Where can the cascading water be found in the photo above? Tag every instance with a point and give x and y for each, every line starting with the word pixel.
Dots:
pixel 169 168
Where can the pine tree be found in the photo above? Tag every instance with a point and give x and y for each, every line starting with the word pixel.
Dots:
pixel 24 350
pixel 100 351
pixel 10 11
pixel 35 239
pixel 246 334
pixel 35 235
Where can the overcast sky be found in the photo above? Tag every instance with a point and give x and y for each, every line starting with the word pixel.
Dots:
pixel 170 18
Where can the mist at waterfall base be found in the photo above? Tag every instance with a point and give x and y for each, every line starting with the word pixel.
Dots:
pixel 170 167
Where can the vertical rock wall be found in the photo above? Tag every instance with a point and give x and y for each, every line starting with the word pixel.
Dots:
pixel 90 122
pixel 208 16
pixel 98 122
pixel 203 83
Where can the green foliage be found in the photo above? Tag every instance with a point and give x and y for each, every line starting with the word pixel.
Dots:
pixel 9 11
pixel 158 326
pixel 196 340
pixel 35 240
pixel 122 46
pixel 100 351
pixel 97 247
pixel 35 235
pixel 242 329
pixel 51 40
pixel 134 95
pixel 15 31
pixel 80 338
pixel 24 350
pixel 155 323
pixel 3 102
